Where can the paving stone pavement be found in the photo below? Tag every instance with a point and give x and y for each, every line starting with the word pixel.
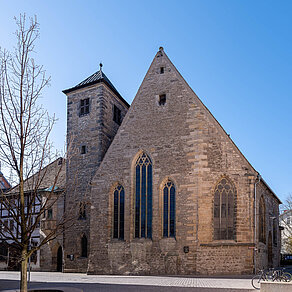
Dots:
pixel 80 280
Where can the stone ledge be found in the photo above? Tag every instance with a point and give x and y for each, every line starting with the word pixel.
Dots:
pixel 214 244
pixel 276 287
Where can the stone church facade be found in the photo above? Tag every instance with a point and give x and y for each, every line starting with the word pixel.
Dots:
pixel 159 187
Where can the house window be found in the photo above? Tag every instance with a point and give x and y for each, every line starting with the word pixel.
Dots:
pixel 117 115
pixel 169 210
pixel 161 70
pixel 224 210
pixel 119 212
pixel 262 223
pixel 288 221
pixel 143 196
pixel 83 149
pixel 11 225
pixel 162 99
pixel 82 210
pixel 5 225
pixel 50 213
pixel 84 246
pixel 84 107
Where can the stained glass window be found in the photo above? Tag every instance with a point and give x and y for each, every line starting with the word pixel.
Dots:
pixel 143 196
pixel 169 209
pixel 119 212
pixel 224 210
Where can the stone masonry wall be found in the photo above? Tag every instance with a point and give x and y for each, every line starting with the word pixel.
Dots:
pixel 96 131
pixel 187 145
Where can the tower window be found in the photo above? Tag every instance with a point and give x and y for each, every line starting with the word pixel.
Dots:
pixel 161 70
pixel 83 149
pixel 162 99
pixel 117 115
pixel 84 107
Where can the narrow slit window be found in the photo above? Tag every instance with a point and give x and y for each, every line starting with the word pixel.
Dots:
pixel 162 99
pixel 82 210
pixel 83 149
pixel 161 70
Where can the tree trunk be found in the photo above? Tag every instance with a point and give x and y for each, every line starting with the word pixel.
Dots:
pixel 23 281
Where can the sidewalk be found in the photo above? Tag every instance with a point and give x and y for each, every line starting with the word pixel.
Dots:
pixel 86 282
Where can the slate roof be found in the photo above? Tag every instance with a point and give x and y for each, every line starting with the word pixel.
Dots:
pixel 95 78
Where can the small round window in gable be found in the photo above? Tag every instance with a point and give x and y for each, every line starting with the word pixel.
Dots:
pixel 162 99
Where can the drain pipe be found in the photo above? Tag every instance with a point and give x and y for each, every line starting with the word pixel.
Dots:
pixel 255 221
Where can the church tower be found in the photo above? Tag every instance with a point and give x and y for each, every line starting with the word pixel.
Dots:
pixel 95 110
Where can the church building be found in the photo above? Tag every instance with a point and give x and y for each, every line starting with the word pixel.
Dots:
pixel 159 187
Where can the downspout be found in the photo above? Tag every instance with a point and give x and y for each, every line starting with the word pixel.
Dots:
pixel 255 222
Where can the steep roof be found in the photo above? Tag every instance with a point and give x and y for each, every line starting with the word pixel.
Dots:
pixel 226 135
pixel 56 170
pixel 4 184
pixel 95 78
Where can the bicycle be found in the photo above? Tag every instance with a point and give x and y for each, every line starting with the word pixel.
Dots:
pixel 281 276
pixel 270 275
pixel 257 279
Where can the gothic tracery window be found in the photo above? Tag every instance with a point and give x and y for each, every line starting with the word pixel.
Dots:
pixel 169 209
pixel 143 196
pixel 119 212
pixel 224 210
pixel 262 225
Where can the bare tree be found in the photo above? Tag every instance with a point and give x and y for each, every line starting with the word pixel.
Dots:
pixel 286 222
pixel 24 142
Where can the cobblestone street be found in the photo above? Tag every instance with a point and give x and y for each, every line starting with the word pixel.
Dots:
pixel 8 280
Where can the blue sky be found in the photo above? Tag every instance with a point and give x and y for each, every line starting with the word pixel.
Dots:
pixel 236 55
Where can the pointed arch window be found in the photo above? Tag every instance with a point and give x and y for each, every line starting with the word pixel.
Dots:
pixel 262 225
pixel 119 212
pixel 169 209
pixel 143 196
pixel 84 246
pixel 224 210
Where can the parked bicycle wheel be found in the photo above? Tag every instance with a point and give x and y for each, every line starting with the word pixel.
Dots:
pixel 256 282
pixel 286 277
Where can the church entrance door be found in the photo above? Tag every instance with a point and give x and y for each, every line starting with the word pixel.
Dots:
pixel 59 259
